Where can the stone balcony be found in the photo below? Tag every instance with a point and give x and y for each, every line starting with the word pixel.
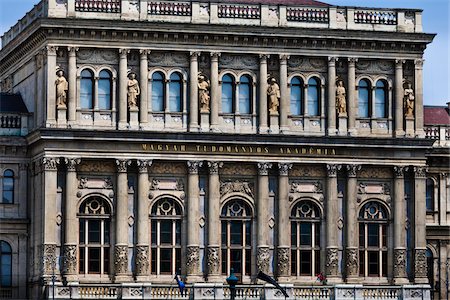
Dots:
pixel 223 13
pixel 439 133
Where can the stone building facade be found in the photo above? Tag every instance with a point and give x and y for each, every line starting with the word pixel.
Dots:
pixel 166 136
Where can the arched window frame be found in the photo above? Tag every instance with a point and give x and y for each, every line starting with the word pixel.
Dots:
pixel 8 187
pixel 105 89
pixel 297 95
pixel 5 264
pixel 87 87
pixel 165 98
pixel 245 94
pixel 364 98
pixel 228 89
pixel 313 96
pixel 175 92
pixel 381 99
pixel 157 91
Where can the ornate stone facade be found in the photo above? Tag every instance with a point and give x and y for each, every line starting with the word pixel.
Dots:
pixel 213 260
pixel 192 259
pixel 352 262
pixel 49 258
pixel 332 260
pixel 420 263
pixel 120 259
pixel 263 259
pixel 142 260
pixel 399 263
pixel 70 259
pixel 283 261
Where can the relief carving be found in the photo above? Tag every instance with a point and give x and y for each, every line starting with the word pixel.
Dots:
pixel 168 168
pixel 306 187
pixel 120 259
pixel 283 261
pixel 168 59
pixel 192 259
pixel 375 173
pixel 239 62
pixel 97 56
pixel 420 263
pixel 263 259
pixel 241 169
pixel 237 187
pixel 97 167
pixel 213 260
pixel 49 258
pixel 142 260
pixel 70 259
pixel 352 262
pixel 332 261
pixel 307 171
pixel 399 263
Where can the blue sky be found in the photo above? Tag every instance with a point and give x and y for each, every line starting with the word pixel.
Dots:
pixel 435 20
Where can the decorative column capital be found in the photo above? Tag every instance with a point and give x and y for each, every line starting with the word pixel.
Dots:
pixel 23 166
pixel 263 57
pixel 332 169
pixel 284 58
pixel 143 165
pixel 332 60
pixel 420 172
pixel 144 52
pixel 352 170
pixel 263 168
pixel 124 52
pixel 214 167
pixel 122 165
pixel 399 63
pixel 399 171
pixel 72 50
pixel 418 63
pixel 284 168
pixel 71 163
pixel 193 166
pixel 50 163
pixel 352 60
pixel 51 50
pixel 215 55
pixel 194 54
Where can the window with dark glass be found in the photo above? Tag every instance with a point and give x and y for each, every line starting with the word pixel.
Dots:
pixel 313 97
pixel 87 89
pixel 296 96
pixel 158 91
pixel 227 94
pixel 5 264
pixel 8 187
pixel 245 93
pixel 305 239
pixel 429 195
pixel 166 218
pixel 104 90
pixel 175 92
pixel 363 98
pixel 380 99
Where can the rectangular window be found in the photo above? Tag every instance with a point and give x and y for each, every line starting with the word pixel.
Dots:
pixel 94 260
pixel 175 97
pixel 157 96
pixel 362 264
pixel 82 260
pixel 165 232
pixel 294 234
pixel 153 232
pixel 244 99
pixel 294 262
pixel 224 233
pixel 106 260
pixel 227 98
pixel 305 234
pixel 372 235
pixel 154 260
pixel 94 232
pixel 248 233
pixel 224 261
pixel 82 232
pixel 363 103
pixel 236 233
pixel 248 261
pixel 305 262
pixel 165 260
pixel 236 260
pixel 104 94
pixel 380 103
pixel 373 263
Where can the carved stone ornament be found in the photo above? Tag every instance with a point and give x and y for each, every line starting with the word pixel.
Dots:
pixel 193 166
pixel 142 260
pixel 62 86
pixel 71 163
pixel 283 261
pixel 332 261
pixel 236 187
pixel 420 172
pixel 122 165
pixel 70 259
pixel 351 262
pixel 192 259
pixel 408 100
pixel 214 167
pixel 143 165
pixel 50 163
pixel 297 186
pixel 168 59
pixel 263 259
pixel 213 260
pixel 399 171
pixel 352 170
pixel 284 168
pixel 332 170
pixel 420 263
pixel 238 62
pixel 49 258
pixel 399 263
pixel 263 168
pixel 120 259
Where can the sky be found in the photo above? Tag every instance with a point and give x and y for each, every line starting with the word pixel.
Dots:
pixel 436 15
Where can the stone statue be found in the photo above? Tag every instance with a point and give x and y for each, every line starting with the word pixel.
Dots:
pixel 273 93
pixel 341 103
pixel 408 99
pixel 203 93
pixel 133 90
pixel 61 89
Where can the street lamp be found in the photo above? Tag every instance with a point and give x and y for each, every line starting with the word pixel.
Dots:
pixel 232 280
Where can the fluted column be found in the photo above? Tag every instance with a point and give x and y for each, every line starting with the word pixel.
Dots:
pixel 351 96
pixel 215 91
pixel 72 80
pixel 399 131
pixel 331 108
pixel 263 254
pixel 143 74
pixel 400 276
pixel 192 247
pixel 284 96
pixel 263 125
pixel 283 246
pixel 213 250
pixel 418 84
pixel 351 225
pixel 331 206
pixel 193 88
pixel 51 87
pixel 123 79
pixel 70 219
pixel 142 247
pixel 121 246
pixel 420 243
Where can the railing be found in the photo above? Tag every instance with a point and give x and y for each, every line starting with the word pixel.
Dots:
pixel 105 6
pixel 318 293
pixel 10 121
pixel 307 14
pixel 441 133
pixel 239 11
pixel 376 17
pixel 6 293
pixel 13 124
pixel 169 8
pixel 103 292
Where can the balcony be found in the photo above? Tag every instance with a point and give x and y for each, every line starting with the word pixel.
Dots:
pixel 439 133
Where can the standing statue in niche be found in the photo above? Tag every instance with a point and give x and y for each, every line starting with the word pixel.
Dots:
pixel 408 99
pixel 203 93
pixel 61 89
pixel 133 91
pixel 273 93
pixel 341 103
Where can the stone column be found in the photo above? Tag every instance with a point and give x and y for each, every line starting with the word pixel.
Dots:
pixel 399 98
pixel 418 85
pixel 142 247
pixel 192 245
pixel 123 90
pixel 263 254
pixel 331 207
pixel 285 98
pixel 72 80
pixel 213 250
pixel 51 87
pixel 351 225
pixel 351 96
pixel 193 88
pixel 121 246
pixel 70 220
pixel 400 276
pixel 284 243
pixel 331 108
pixel 263 125
pixel 49 186
pixel 215 91
pixel 143 74
pixel 420 243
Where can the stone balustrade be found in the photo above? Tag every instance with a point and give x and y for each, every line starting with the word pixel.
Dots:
pixel 239 11
pixel 13 124
pixel 169 8
pixel 106 6
pixel 295 14
pixel 441 135
pixel 376 17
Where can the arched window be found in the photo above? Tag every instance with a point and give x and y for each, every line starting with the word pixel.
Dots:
pixel 95 222
pixel 380 99
pixel 6 264
pixel 104 90
pixel 313 97
pixel 8 187
pixel 236 232
pixel 166 215
pixel 430 268
pixel 158 91
pixel 373 222
pixel 87 89
pixel 363 98
pixel 429 196
pixel 296 96
pixel 227 94
pixel 305 239
pixel 245 93
pixel 175 92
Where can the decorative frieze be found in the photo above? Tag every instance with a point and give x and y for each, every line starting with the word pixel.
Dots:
pixel 167 184
pixel 70 259
pixel 97 56
pixel 307 171
pixel 192 259
pixel 239 11
pixel 283 261
pixel 399 263
pixel 351 262
pixel 236 186
pixel 239 62
pixel 310 15
pixel 169 8
pixel 263 259
pixel 95 183
pixel 121 259
pixel 142 260
pixel 332 261
pixel 213 260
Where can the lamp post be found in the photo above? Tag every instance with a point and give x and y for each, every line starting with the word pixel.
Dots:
pixel 232 280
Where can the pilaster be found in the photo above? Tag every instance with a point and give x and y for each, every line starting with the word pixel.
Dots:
pixel 123 79
pixel 215 91
pixel 351 99
pixel 284 96
pixel 332 251
pixel 420 260
pixel 51 88
pixel 283 245
pixel 418 84
pixel 400 276
pixel 263 255
pixel 263 125
pixel 331 111
pixel 193 88
pixel 351 229
pixel 72 79
pixel 143 74
pixel 399 131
